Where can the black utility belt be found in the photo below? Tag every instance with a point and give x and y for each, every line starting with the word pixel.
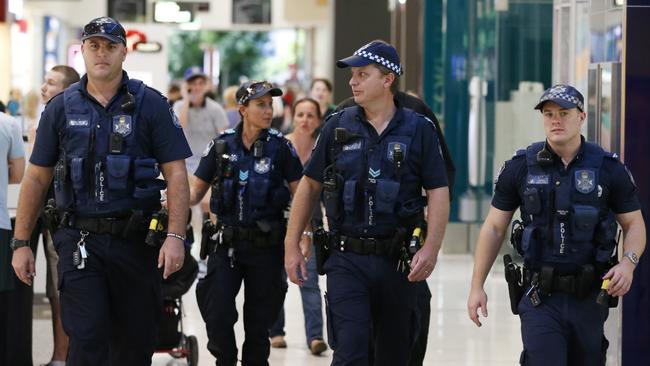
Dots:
pixel 126 227
pixel 387 247
pixel 233 236
pixel 579 284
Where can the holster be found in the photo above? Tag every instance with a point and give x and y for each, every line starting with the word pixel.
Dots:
pixel 208 240
pixel 50 216
pixel 321 243
pixel 513 275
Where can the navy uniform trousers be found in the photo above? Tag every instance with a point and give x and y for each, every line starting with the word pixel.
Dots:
pixel 366 292
pixel 261 271
pixel 563 331
pixel 109 309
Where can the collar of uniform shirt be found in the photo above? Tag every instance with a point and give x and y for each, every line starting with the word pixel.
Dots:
pixel 557 158
pixel 395 119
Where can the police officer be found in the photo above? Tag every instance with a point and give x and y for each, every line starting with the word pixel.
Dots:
pixel 106 139
pixel 373 161
pixel 424 294
pixel 249 168
pixel 571 193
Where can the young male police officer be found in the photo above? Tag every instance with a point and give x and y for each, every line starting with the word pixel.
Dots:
pixel 105 140
pixel 569 191
pixel 373 159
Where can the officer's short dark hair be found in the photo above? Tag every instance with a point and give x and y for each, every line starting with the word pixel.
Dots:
pixel 70 75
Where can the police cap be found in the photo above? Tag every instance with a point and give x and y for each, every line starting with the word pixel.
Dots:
pixel 563 95
pixel 255 89
pixel 105 27
pixel 378 52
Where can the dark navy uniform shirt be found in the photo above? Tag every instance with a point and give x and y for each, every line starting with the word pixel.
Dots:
pixel 619 190
pixel 290 166
pixel 160 134
pixel 424 165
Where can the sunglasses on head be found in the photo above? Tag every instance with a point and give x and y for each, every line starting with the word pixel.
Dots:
pixel 104 28
pixel 254 89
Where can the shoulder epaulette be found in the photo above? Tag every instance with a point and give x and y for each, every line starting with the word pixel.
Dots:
pixel 333 114
pixel 274 132
pixel 612 155
pixel 519 154
pixel 229 131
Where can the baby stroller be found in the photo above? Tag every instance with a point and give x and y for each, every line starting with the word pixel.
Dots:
pixel 171 338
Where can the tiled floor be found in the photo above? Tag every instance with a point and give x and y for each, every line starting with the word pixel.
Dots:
pixel 453 339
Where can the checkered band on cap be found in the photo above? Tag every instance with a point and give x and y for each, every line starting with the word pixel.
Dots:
pixel 563 93
pixel 397 69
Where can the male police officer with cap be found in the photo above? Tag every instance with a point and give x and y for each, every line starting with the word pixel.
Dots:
pixel 571 193
pixel 373 159
pixel 105 141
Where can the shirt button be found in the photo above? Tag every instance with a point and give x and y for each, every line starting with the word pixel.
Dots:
pixel 557 183
pixel 98 126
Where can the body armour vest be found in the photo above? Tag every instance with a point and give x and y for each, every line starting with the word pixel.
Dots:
pixel 566 221
pixel 377 190
pixel 103 169
pixel 249 189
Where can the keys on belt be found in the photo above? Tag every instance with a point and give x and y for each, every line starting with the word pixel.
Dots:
pixel 80 254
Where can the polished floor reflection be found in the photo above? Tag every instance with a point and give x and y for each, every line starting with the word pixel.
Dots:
pixel 453 339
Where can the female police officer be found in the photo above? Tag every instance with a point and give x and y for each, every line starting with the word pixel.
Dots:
pixel 247 168
pixel 567 189
pixel 373 160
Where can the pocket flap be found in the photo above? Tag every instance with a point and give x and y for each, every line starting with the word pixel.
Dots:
pixel 118 165
pixel 144 169
pixel 387 190
pixel 386 194
pixel 258 191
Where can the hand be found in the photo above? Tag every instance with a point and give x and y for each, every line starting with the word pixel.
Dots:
pixel 171 256
pixel 23 263
pixel 620 277
pixel 293 259
pixel 477 299
pixel 305 247
pixel 423 263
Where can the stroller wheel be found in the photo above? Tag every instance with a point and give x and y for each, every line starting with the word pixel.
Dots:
pixel 193 348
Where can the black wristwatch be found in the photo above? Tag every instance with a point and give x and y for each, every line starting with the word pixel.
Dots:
pixel 17 243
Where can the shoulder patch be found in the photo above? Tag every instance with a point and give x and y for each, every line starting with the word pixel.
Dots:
pixel 207 148
pixel 229 131
pixel 175 120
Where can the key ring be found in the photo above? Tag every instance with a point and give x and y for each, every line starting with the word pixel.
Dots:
pixel 83 234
